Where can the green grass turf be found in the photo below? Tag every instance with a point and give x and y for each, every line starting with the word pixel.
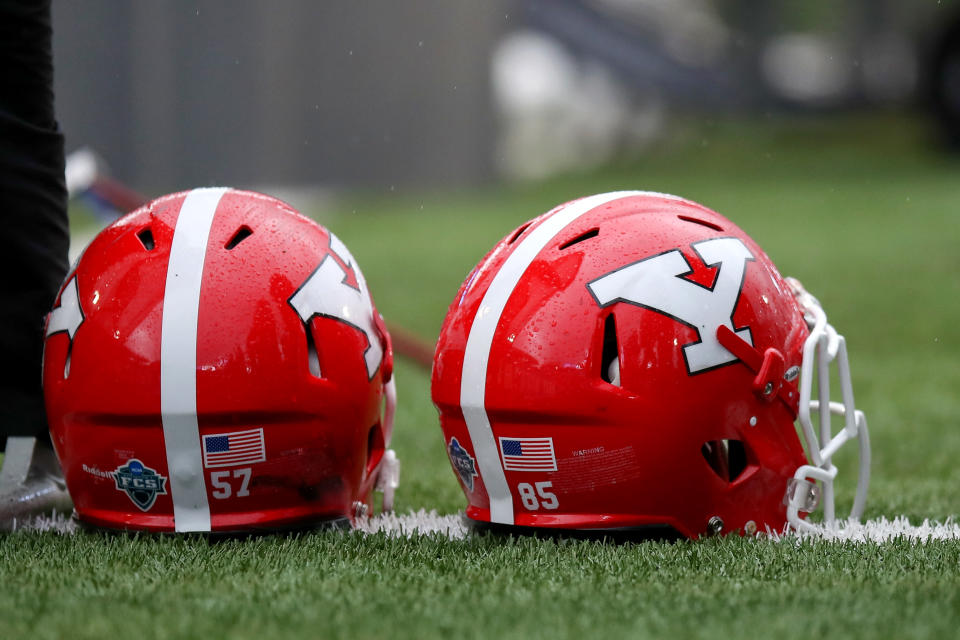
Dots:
pixel 328 584
pixel 862 211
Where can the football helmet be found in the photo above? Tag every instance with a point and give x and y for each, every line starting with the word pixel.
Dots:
pixel 633 360
pixel 214 362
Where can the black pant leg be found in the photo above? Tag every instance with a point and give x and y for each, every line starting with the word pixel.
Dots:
pixel 33 210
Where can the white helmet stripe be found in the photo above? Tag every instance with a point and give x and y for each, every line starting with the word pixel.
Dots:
pixel 178 359
pixel 473 380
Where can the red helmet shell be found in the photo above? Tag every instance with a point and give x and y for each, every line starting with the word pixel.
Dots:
pixel 214 362
pixel 541 428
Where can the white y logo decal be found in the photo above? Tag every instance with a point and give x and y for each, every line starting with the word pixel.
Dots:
pixel 340 292
pixel 657 284
pixel 66 316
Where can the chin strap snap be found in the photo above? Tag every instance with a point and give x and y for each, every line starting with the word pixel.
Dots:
pixel 802 495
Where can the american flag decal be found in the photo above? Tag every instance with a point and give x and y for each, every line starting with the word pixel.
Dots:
pixel 231 449
pixel 528 454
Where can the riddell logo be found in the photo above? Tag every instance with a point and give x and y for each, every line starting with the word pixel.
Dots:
pixel 141 483
pixel 100 473
pixel 658 283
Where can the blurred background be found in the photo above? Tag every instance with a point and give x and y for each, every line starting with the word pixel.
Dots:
pixel 429 93
pixel 422 132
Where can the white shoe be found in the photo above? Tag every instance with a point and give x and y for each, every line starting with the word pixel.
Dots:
pixel 31 483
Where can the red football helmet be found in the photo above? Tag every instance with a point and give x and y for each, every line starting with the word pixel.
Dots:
pixel 630 361
pixel 214 362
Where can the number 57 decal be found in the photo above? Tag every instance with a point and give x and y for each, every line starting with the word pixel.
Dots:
pixel 539 499
pixel 223 488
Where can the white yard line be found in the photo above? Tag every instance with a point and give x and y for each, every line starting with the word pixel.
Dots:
pixel 425 522
pixel 881 530
pixel 422 522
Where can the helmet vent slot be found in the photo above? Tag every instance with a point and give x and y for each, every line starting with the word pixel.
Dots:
pixel 145 236
pixel 242 234
pixel 727 458
pixel 518 233
pixel 375 448
pixel 703 223
pixel 313 358
pixel 610 356
pixel 593 233
pixel 66 364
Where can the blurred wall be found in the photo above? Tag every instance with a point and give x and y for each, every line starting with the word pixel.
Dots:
pixel 181 93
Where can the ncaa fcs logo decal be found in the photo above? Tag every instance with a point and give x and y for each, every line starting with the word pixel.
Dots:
pixel 463 463
pixel 141 483
pixel 657 283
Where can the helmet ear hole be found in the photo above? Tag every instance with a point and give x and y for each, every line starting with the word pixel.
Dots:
pixel 727 458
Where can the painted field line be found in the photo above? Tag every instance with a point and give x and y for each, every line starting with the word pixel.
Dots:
pixel 425 522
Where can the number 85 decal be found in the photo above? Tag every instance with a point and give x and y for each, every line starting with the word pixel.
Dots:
pixel 541 498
